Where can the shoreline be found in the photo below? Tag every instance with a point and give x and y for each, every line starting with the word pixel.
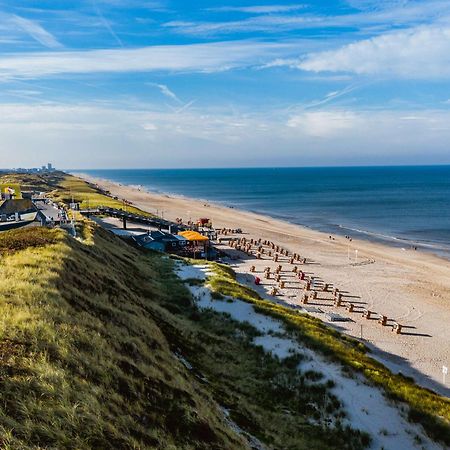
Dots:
pixel 409 286
pixel 434 248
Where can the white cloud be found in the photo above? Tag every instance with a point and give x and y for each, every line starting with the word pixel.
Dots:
pixel 208 57
pixel 325 123
pixel 260 9
pixel 166 91
pixel 36 31
pixel 106 23
pixel 370 19
pixel 98 136
pixel 419 53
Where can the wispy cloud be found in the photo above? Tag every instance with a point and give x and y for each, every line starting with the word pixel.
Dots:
pixel 106 23
pixel 332 96
pixel 260 9
pixel 325 123
pixel 332 136
pixel 211 57
pixel 418 53
pixel 372 19
pixel 36 31
pixel 166 91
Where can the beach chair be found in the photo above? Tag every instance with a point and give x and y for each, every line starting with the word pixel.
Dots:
pixel 382 320
pixel 397 328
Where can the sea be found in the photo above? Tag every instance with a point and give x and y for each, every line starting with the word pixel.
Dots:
pixel 406 206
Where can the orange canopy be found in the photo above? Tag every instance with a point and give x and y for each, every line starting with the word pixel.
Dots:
pixel 193 236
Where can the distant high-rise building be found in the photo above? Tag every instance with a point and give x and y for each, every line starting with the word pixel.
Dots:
pixel 50 167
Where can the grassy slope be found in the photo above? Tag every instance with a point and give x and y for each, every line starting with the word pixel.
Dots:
pixel 88 332
pixel 84 363
pixel 426 407
pixel 88 195
pixel 89 329
pixel 62 187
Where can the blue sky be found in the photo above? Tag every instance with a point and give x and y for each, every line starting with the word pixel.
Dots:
pixel 171 83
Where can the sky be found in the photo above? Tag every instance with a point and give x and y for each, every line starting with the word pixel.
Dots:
pixel 177 83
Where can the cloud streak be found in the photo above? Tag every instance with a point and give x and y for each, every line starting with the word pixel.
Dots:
pixel 373 19
pixel 106 23
pixel 36 31
pixel 166 91
pixel 262 9
pixel 211 57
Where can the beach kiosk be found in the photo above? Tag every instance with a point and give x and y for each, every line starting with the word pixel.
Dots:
pixel 197 243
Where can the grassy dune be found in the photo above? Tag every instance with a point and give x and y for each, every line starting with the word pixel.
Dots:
pixel 425 407
pixel 84 363
pixel 88 195
pixel 62 187
pixel 89 336
pixel 101 346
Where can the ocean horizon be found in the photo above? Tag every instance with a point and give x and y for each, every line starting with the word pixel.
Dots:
pixel 404 206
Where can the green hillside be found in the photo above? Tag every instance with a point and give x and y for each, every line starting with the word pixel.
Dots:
pixel 102 346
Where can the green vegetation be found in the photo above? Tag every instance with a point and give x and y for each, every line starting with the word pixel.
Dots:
pixel 62 188
pixel 101 346
pixel 14 241
pixel 32 182
pixel 88 195
pixel 425 407
pixel 84 363
pixel 89 336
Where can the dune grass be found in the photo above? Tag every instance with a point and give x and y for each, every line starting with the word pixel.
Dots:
pixel 63 187
pixel 89 333
pixel 427 408
pixel 84 363
pixel 88 196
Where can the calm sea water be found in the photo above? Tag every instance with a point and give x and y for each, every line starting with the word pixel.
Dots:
pixel 405 206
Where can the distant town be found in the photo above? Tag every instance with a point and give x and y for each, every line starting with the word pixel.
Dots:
pixel 43 169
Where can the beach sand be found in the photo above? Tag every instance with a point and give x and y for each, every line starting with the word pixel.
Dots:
pixel 408 286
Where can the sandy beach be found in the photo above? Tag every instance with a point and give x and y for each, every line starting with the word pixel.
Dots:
pixel 410 287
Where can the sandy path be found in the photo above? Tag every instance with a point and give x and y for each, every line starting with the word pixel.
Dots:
pixel 409 286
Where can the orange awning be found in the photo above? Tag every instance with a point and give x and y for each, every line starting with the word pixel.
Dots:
pixel 193 236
